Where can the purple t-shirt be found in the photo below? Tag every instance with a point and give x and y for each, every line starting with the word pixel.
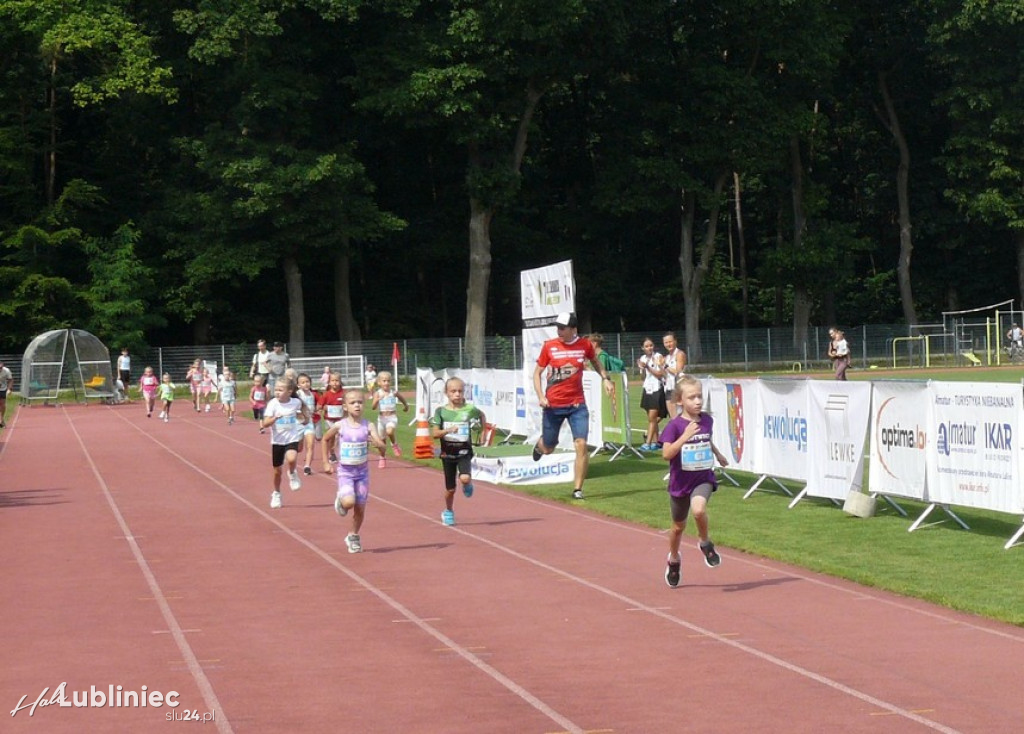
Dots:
pixel 695 464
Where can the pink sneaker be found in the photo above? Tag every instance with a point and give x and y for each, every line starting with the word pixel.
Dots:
pixel 382 463
pixel 396 449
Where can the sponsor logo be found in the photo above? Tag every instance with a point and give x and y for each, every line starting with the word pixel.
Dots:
pixel 787 428
pixel 520 403
pixel 956 438
pixel 532 472
pixel 734 398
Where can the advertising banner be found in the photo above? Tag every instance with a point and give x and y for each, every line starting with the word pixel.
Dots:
pixel 547 291
pixel 551 469
pixel 783 428
pixel 899 438
pixel 734 405
pixel 839 413
pixel 974 459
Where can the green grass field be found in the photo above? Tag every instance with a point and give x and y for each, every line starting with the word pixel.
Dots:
pixel 966 570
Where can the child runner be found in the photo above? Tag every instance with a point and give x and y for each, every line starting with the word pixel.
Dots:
pixel 166 396
pixel 691 455
pixel 148 384
pixel 451 424
pixel 354 434
pixel 309 397
pixel 332 405
pixel 207 387
pixel 228 392
pixel 258 398
pixel 385 400
pixel 286 416
pixel 194 376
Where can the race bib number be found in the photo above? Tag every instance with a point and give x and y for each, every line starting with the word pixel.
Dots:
pixel 287 420
pixel 461 433
pixel 697 456
pixel 388 404
pixel 259 396
pixel 335 411
pixel 352 454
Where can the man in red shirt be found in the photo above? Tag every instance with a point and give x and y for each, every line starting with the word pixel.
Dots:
pixel 563 359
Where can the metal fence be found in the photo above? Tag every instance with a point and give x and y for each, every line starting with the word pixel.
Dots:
pixel 721 350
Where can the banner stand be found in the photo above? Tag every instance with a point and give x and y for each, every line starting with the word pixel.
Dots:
pixel 945 508
pixel 618 450
pixel 1016 536
pixel 761 479
pixel 803 493
pixel 723 473
pixel 891 502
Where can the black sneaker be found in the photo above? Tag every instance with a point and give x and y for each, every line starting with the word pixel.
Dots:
pixel 577 494
pixel 307 471
pixel 333 458
pixel 536 453
pixel 711 557
pixel 674 573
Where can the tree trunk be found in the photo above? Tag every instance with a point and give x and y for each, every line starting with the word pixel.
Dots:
pixel 348 327
pixel 801 294
pixel 742 241
pixel 694 270
pixel 50 164
pixel 892 122
pixel 296 309
pixel 480 217
pixel 1020 264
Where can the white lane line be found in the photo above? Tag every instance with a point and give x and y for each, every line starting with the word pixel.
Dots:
pixel 194 668
pixel 628 601
pixel 402 610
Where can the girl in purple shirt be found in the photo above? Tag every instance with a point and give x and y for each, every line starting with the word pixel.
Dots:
pixel 687 446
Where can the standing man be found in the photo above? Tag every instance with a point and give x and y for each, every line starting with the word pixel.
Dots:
pixel 563 359
pixel 277 362
pixel 675 367
pixel 124 370
pixel 6 384
pixel 259 364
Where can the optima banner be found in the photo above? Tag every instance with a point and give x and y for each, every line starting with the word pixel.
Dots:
pixel 898 462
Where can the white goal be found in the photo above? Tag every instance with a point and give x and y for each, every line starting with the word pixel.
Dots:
pixel 349 367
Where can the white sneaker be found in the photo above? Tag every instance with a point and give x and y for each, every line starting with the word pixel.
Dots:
pixel 166 419
pixel 293 481
pixel 338 507
pixel 162 415
pixel 207 408
pixel 353 543
pixel 275 500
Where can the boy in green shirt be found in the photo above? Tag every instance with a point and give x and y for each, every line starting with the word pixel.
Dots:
pixel 453 424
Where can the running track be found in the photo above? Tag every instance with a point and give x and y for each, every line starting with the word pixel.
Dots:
pixel 138 553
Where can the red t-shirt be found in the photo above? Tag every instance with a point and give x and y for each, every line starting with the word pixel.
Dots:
pixel 332 404
pixel 565 364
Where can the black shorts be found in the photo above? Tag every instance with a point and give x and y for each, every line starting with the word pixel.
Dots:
pixel 3 394
pixel 655 401
pixel 680 506
pixel 278 450
pixel 455 465
pixel 126 377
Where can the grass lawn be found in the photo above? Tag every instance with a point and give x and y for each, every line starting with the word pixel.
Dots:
pixel 961 569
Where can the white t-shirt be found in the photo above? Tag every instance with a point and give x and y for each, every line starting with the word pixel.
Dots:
pixel 124 363
pixel 288 428
pixel 652 383
pixel 842 348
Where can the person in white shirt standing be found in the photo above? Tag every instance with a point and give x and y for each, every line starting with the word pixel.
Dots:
pixel 124 370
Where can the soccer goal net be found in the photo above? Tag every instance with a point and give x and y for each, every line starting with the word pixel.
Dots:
pixel 349 367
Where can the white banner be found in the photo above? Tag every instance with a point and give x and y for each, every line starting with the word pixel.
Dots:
pixel 838 418
pixel 547 291
pixel 899 438
pixel 551 469
pixel 733 403
pixel 974 459
pixel 783 428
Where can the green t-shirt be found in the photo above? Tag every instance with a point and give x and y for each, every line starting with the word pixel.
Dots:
pixel 465 419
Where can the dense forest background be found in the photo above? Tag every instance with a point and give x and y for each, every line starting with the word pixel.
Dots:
pixel 188 172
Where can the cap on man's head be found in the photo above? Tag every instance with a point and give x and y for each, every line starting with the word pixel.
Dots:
pixel 565 318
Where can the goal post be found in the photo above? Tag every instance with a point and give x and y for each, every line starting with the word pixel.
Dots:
pixel 979 331
pixel 349 367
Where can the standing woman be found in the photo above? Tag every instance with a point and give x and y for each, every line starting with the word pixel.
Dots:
pixel 675 368
pixel 124 370
pixel 839 353
pixel 652 370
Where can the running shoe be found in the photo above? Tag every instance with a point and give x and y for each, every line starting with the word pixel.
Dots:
pixel 467 490
pixel 711 557
pixel 167 418
pixel 536 453
pixel 333 458
pixel 293 481
pixel 307 471
pixel 673 573
pixel 577 494
pixel 396 450
pixel 382 463
pixel 275 500
pixel 207 408
pixel 161 416
pixel 353 543
pixel 448 517
pixel 338 507
pixel 231 420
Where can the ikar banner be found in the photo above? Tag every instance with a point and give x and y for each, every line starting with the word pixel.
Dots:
pixel 734 405
pixel 974 459
pixel 898 462
pixel 838 416
pixel 783 429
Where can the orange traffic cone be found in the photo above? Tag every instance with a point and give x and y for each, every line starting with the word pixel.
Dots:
pixel 423 447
